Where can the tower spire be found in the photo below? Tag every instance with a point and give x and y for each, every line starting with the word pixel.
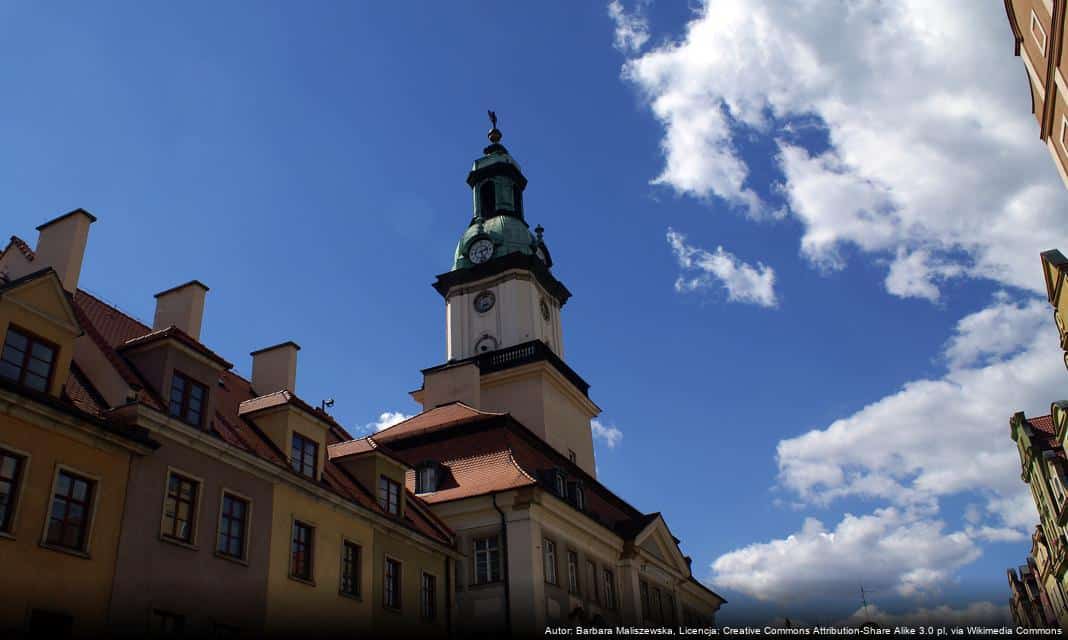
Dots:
pixel 494 134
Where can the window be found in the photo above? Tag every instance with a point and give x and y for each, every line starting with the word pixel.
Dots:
pixel 572 572
pixel 233 525
pixel 609 589
pixel 548 555
pixel 643 588
pixel 1038 33
pixel 571 455
pixel 389 495
pixel 1064 135
pixel 391 584
pixel 427 597
pixel 576 495
pixel 517 198
pixel 300 551
pixel 350 569
pixel 27 360
pixel 591 581
pixel 559 485
pixel 167 622
pixel 655 605
pixel 487 560
pixel 10 478
pixel 487 198
pixel 187 399
pixel 669 609
pixel 304 455
pixel 68 522
pixel 426 478
pixel 179 507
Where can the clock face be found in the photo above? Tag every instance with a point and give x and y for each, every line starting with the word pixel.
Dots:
pixel 486 343
pixel 540 254
pixel 544 310
pixel 480 251
pixel 485 301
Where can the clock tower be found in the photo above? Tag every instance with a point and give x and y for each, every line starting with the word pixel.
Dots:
pixel 504 341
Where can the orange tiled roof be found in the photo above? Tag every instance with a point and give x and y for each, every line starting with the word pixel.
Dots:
pixel 437 418
pixel 1043 424
pixel 23 248
pixel 179 335
pixel 111 329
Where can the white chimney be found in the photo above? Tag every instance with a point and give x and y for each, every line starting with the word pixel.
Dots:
pixel 61 245
pixel 275 368
pixel 181 306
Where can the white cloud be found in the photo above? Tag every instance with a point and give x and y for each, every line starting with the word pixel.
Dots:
pixel 890 548
pixel 931 160
pixel 976 613
pixel 908 448
pixel 606 433
pixel 386 419
pixel 631 29
pixel 703 270
pixel 933 438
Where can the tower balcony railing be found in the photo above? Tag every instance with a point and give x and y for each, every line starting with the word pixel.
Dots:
pixel 525 353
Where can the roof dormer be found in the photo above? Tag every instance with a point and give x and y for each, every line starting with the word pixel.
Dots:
pixel 377 469
pixel 37 331
pixel 173 362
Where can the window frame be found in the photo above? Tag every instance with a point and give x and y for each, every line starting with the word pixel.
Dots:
pixel 608 577
pixel 573 585
pixel 18 482
pixel 1063 138
pixel 305 443
pixel 549 561
pixel 1045 36
pixel 591 572
pixel 435 476
pixel 245 529
pixel 163 615
pixel 194 524
pixel 493 559
pixel 31 339
pixel 356 591
pixel 309 551
pixel 90 510
pixel 187 391
pixel 559 484
pixel 428 607
pixel 398 583
pixel 391 487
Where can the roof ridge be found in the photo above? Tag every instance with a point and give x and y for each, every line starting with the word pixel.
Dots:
pixel 23 247
pixel 114 307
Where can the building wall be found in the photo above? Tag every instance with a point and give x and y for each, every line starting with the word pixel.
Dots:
pixel 294 605
pixel 38 577
pixel 415 560
pixel 155 573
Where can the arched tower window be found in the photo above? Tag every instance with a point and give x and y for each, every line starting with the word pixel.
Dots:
pixel 517 198
pixel 487 199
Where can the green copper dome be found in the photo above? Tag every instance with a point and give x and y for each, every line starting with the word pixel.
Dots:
pixel 508 233
pixel 497 184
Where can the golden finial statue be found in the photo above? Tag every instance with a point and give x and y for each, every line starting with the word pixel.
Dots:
pixel 495 133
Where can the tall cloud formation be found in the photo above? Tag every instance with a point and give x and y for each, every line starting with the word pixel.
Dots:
pixel 932 160
pixel 930 165
pixel 703 270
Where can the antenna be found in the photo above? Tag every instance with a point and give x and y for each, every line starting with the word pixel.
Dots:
pixel 326 404
pixel 864 601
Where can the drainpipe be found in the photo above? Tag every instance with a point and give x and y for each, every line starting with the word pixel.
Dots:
pixel 504 570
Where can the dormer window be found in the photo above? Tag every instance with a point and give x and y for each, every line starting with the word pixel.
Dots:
pixel 559 484
pixel 389 495
pixel 187 399
pixel 426 477
pixel 304 454
pixel 576 495
pixel 27 359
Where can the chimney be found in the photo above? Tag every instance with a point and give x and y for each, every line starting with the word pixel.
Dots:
pixel 181 306
pixel 61 245
pixel 275 368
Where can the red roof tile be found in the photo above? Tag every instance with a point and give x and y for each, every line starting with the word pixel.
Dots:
pixel 1043 424
pixel 111 329
pixel 437 418
pixel 23 248
pixel 179 335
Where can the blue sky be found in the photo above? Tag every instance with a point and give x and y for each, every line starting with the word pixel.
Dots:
pixel 850 356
